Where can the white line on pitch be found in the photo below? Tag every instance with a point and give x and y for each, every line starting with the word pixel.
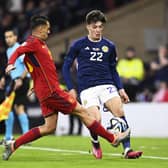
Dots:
pixel 85 152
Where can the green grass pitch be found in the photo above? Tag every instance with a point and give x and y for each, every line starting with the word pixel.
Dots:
pixel 73 152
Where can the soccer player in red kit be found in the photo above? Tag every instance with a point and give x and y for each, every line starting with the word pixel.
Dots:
pixel 38 60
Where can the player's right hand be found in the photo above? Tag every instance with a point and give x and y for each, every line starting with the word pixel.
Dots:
pixel 9 68
pixel 124 96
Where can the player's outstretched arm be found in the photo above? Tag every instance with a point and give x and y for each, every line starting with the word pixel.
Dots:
pixel 26 47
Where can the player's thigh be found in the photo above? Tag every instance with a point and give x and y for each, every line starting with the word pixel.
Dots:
pixel 115 106
pixel 107 92
pixel 84 115
pixel 89 97
pixel 59 101
pixel 110 98
pixel 19 109
pixel 21 93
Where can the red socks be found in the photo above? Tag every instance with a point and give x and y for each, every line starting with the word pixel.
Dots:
pixel 97 128
pixel 34 134
pixel 31 135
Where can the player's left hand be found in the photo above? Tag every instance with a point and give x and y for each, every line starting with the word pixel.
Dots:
pixel 124 96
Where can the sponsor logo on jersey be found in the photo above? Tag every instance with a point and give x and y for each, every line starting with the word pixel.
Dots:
pixel 105 49
pixel 96 49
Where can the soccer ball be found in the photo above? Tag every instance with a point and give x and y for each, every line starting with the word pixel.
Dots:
pixel 116 124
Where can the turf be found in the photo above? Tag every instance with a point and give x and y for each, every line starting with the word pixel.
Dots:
pixel 73 152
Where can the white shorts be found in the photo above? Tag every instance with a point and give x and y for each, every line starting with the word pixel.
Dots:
pixel 98 95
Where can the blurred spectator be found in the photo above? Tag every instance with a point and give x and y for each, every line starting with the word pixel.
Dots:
pixel 3 59
pixel 155 82
pixel 119 3
pixel 29 8
pixel 15 5
pixel 43 8
pixel 161 94
pixel 62 13
pixel 146 87
pixel 159 66
pixel 131 71
pixel 109 4
pixel 144 96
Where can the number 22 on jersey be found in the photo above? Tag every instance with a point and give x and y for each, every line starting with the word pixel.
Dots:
pixel 96 56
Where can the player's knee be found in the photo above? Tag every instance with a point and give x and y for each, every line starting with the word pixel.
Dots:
pixel 79 110
pixel 19 109
pixel 97 116
pixel 50 129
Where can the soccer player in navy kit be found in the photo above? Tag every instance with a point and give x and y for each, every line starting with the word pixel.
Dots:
pixel 98 80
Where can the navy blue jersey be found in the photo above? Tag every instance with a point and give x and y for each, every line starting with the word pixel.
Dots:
pixel 96 64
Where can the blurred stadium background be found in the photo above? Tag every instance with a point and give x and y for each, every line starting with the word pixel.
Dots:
pixel 138 24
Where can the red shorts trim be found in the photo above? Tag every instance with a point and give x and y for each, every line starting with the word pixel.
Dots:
pixel 59 101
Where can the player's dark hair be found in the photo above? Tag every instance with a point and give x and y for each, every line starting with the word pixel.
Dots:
pixel 38 21
pixel 94 16
pixel 14 31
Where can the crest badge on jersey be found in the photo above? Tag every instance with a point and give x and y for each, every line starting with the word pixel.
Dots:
pixel 105 49
pixel 49 52
pixel 30 67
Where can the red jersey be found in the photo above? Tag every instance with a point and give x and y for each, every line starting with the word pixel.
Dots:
pixel 38 60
